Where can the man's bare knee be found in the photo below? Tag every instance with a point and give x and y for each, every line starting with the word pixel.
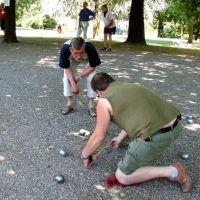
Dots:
pixel 121 177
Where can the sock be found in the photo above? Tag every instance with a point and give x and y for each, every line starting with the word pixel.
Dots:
pixel 175 172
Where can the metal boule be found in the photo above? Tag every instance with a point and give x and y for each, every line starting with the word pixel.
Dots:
pixel 59 178
pixel 190 121
pixel 190 117
pixel 63 152
pixel 185 156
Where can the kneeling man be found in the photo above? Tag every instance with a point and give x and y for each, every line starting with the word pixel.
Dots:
pixel 153 123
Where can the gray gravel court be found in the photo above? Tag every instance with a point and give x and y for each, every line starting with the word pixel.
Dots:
pixel 32 129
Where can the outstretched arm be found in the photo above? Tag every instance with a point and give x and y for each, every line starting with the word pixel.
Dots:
pixel 98 136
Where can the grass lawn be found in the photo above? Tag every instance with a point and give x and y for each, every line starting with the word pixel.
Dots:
pixel 155 46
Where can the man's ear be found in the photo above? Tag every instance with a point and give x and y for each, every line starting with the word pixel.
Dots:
pixel 70 49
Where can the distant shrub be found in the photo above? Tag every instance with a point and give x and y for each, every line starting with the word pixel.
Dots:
pixel 170 31
pixel 19 24
pixel 48 22
pixel 36 25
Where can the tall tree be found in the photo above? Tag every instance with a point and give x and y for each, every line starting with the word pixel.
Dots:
pixel 10 32
pixel 187 12
pixel 136 33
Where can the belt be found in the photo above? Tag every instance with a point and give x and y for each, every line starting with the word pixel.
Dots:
pixel 84 20
pixel 164 130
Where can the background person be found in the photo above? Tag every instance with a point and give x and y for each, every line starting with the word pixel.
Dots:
pixel 84 19
pixel 152 123
pixel 2 17
pixel 73 53
pixel 109 28
pixel 59 29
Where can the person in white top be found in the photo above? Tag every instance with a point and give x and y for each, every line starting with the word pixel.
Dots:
pixel 109 28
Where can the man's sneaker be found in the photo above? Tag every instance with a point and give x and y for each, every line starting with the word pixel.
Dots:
pixel 183 177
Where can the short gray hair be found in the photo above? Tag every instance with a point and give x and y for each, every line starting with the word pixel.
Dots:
pixel 77 43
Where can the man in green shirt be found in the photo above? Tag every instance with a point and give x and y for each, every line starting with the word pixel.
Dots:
pixel 153 123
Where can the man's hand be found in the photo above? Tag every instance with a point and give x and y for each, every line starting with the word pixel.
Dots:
pixel 115 143
pixel 75 89
pixel 77 79
pixel 88 163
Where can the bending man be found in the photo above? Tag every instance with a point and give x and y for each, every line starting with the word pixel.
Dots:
pixel 73 53
pixel 153 123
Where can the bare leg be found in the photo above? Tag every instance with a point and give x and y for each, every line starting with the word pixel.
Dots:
pixel 110 40
pixel 143 174
pixel 69 101
pixel 105 40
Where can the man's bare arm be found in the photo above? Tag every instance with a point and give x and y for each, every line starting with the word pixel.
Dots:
pixel 103 120
pixel 88 70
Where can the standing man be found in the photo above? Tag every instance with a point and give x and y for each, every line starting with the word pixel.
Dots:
pixel 152 123
pixel 109 28
pixel 2 17
pixel 84 19
pixel 73 53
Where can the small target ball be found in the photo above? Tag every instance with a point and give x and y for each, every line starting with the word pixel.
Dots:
pixel 63 153
pixel 190 121
pixel 59 178
pixel 185 156
pixel 96 157
pixel 82 132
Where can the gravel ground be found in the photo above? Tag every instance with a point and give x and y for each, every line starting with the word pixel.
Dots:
pixel 32 129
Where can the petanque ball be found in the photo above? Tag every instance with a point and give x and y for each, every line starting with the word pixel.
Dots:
pixel 59 178
pixel 185 156
pixel 190 121
pixel 190 117
pixel 63 153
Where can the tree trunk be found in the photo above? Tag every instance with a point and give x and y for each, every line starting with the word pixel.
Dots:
pixel 190 31
pixel 197 32
pixel 10 29
pixel 136 33
pixel 160 28
pixel 96 22
pixel 182 31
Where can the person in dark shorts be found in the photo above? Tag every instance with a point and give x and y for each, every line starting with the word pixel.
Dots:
pixel 109 28
pixel 152 123
pixel 2 17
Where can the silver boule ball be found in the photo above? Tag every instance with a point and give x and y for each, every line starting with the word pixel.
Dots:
pixel 63 152
pixel 82 132
pixel 190 121
pixel 59 178
pixel 190 117
pixel 185 156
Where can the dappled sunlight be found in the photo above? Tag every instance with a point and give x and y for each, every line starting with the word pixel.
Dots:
pixel 192 102
pixel 48 62
pixel 193 127
pixel 10 172
pixel 100 187
pixel 2 158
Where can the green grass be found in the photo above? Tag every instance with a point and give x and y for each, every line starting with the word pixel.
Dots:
pixel 153 46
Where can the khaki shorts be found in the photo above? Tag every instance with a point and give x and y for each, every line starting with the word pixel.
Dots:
pixel 141 152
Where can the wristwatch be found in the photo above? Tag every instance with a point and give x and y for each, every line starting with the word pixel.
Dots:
pixel 83 158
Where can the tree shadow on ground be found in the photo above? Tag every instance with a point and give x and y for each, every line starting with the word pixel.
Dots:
pixel 33 130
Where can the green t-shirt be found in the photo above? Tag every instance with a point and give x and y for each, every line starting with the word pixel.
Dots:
pixel 137 110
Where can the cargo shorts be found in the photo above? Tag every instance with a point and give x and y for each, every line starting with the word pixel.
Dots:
pixel 141 152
